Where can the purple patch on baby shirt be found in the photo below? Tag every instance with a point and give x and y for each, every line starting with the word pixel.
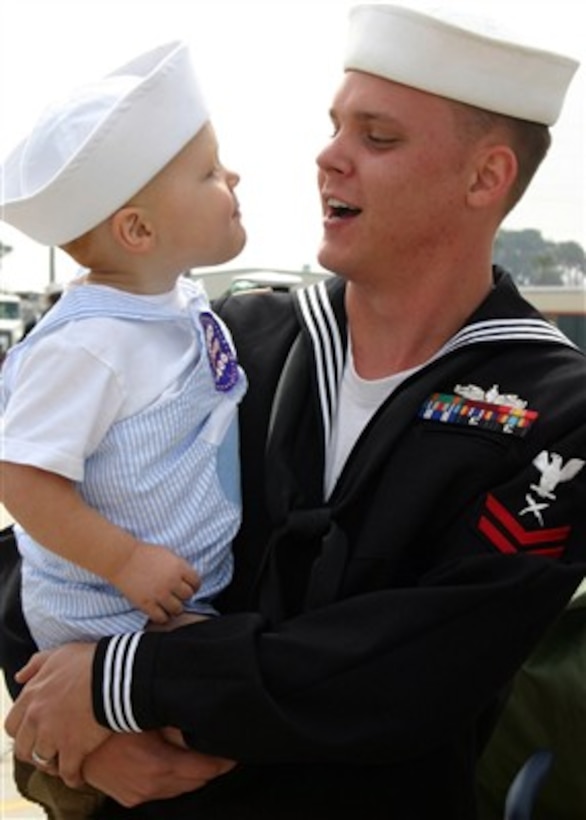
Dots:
pixel 220 354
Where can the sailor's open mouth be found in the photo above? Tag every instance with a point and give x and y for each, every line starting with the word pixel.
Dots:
pixel 340 210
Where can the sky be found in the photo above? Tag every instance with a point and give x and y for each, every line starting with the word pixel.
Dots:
pixel 269 69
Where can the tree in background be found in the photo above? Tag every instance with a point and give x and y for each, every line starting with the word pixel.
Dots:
pixel 533 260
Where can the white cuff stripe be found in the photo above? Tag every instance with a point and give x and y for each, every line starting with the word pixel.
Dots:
pixel 117 682
pixel 127 683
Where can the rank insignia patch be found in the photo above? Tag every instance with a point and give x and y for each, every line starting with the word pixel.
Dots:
pixel 509 536
pixel 498 416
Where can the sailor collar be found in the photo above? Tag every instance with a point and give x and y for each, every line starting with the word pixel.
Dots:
pixel 322 315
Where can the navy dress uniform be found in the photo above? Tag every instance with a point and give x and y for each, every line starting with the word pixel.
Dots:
pixel 388 620
pixel 369 635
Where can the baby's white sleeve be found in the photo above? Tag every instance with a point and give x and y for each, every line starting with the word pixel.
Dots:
pixel 62 401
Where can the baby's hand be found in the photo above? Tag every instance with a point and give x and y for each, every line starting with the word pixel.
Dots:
pixel 156 581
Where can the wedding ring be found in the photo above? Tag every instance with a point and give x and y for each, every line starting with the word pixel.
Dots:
pixel 39 760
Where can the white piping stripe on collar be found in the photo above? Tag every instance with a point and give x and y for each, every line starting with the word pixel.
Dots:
pixel 321 324
pixel 492 330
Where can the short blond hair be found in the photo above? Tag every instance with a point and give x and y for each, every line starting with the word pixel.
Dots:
pixel 530 141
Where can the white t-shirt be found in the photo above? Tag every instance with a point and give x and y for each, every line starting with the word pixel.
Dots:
pixel 358 401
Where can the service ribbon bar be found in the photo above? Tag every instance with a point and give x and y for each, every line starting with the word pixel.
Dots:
pixel 448 408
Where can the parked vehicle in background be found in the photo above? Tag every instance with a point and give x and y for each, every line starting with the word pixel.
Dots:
pixel 11 321
pixel 275 280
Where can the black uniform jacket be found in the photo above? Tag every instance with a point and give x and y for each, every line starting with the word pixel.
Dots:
pixel 351 676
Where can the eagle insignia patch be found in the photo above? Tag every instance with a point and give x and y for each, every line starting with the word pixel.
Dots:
pixel 553 472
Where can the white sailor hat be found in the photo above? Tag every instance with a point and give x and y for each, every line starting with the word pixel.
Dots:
pixel 90 152
pixel 465 61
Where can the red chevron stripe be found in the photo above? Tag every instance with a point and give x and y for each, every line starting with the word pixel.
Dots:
pixel 519 533
pixel 502 543
pixel 552 552
pixel 496 537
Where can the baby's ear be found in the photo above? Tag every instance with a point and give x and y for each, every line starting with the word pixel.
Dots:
pixel 132 229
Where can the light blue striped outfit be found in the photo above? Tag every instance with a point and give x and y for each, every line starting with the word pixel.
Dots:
pixel 169 474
